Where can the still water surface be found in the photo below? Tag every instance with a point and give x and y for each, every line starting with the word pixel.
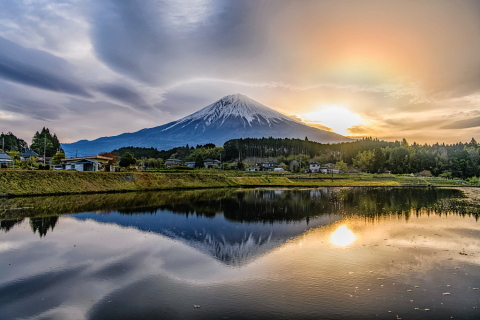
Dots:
pixel 332 253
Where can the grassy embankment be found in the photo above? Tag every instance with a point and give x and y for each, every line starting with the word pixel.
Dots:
pixel 22 182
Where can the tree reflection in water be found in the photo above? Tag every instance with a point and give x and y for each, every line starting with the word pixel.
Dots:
pixel 257 205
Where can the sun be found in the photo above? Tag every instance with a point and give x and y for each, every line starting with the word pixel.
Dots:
pixel 338 118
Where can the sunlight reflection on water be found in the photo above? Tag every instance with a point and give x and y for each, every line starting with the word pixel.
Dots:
pixel 342 237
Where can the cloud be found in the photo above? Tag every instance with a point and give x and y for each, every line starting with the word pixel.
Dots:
pixel 397 63
pixel 315 124
pixel 359 130
pixel 463 124
pixel 164 42
pixel 124 94
pixel 38 69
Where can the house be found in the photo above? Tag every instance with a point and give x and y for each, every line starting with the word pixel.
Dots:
pixel 267 165
pixel 329 170
pixel 27 154
pixel 173 162
pixel 5 160
pixel 314 166
pixel 90 163
pixel 209 163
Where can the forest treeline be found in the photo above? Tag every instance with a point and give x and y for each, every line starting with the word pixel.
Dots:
pixel 368 154
pixel 372 155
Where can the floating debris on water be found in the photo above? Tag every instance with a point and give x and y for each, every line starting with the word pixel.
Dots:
pixel 196 306
pixel 446 293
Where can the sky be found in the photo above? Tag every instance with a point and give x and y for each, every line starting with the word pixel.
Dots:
pixel 382 68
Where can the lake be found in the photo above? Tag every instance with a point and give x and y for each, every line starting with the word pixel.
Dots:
pixel 328 253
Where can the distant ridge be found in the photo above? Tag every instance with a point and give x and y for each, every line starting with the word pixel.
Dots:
pixel 232 117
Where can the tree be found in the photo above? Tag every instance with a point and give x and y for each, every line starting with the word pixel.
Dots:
pixel 45 143
pixel 127 160
pixel 364 160
pixel 283 166
pixel 56 159
pixel 109 155
pixel 341 166
pixel 225 166
pixel 199 162
pixel 294 166
pixel 11 143
pixel 30 163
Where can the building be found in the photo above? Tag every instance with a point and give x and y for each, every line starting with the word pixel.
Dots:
pixel 91 163
pixel 314 166
pixel 209 163
pixel 173 162
pixel 329 170
pixel 5 161
pixel 27 154
pixel 267 165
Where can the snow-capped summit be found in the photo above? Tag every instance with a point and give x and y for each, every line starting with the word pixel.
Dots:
pixel 232 117
pixel 247 111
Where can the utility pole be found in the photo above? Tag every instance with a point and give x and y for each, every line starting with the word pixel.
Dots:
pixel 3 144
pixel 44 149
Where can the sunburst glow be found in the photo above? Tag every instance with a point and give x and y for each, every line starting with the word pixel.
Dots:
pixel 335 117
pixel 342 236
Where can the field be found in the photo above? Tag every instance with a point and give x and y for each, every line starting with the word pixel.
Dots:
pixel 24 182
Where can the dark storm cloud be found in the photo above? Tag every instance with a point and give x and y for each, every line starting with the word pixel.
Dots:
pixel 37 69
pixel 124 94
pixel 463 124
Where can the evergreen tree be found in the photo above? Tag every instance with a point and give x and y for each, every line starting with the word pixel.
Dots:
pixel 9 142
pixel 45 143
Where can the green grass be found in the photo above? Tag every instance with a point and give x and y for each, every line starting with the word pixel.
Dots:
pixel 24 182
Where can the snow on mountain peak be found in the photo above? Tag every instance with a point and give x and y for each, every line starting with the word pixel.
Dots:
pixel 235 105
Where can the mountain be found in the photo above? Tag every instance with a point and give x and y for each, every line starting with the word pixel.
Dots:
pixel 232 117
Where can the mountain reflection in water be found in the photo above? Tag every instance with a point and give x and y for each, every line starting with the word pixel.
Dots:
pixel 332 253
pixel 234 226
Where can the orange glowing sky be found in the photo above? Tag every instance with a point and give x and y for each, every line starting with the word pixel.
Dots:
pixel 387 69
